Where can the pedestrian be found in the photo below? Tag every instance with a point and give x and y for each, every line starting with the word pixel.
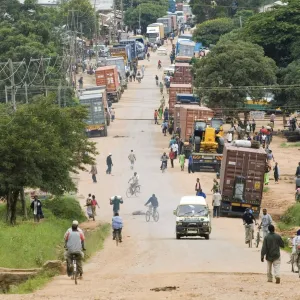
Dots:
pixel 216 203
pixel 248 129
pixel 215 186
pixel 166 114
pixel 134 75
pixel 272 119
pixel 190 164
pixel 94 172
pixel 253 125
pixel 182 161
pixel 175 149
pixel 155 116
pixel 143 70
pixel 271 250
pixel 164 127
pixel 297 181
pixel 94 204
pixel 80 81
pixel 180 145
pixel 298 170
pixel 172 157
pixel 266 220
pixel 89 209
pixel 160 112
pixel 270 157
pixel 109 163
pixel 132 159
pixel 276 172
pixel 263 140
pixel 229 137
pixel 115 201
pixel 36 206
pixel 197 186
pixel 201 194
pixel 267 175
pixel 112 113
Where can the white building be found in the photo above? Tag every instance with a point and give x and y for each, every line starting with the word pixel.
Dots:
pixel 49 3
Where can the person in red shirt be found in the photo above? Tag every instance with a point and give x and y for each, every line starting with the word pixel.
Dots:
pixel 155 116
pixel 172 157
pixel 94 203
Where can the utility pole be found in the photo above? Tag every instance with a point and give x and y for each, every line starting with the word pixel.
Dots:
pixel 12 80
pixel 115 21
pixel 139 17
pixel 44 81
pixel 122 16
pixel 241 22
pixel 59 94
pixel 96 30
pixel 6 96
pixel 26 94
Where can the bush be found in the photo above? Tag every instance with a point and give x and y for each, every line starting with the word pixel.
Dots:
pixel 292 215
pixel 65 207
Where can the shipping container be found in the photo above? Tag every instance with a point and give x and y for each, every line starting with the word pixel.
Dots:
pixel 132 44
pixel 186 48
pixel 119 63
pixel 177 89
pixel 242 180
pixel 167 25
pixel 109 77
pixel 173 18
pixel 96 121
pixel 187 99
pixel 188 114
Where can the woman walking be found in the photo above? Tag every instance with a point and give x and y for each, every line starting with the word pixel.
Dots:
pixel 182 161
pixel 276 173
pixel 89 209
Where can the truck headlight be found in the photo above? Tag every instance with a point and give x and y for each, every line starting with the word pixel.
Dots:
pixel 179 223
pixel 205 224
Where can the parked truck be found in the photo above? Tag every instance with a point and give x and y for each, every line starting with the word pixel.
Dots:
pixel 186 48
pixel 109 77
pixel 121 51
pixel 242 180
pixel 167 25
pixel 173 18
pixel 155 33
pixel 132 44
pixel 120 64
pixel 98 116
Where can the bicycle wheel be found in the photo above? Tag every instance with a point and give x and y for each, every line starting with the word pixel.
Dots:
pixel 147 216
pixel 117 237
pixel 156 216
pixel 75 270
pixel 128 193
pixel 137 190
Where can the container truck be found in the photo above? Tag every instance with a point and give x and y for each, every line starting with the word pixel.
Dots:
pixel 138 38
pixel 97 114
pixel 186 48
pixel 242 180
pixel 177 89
pixel 119 62
pixel 182 73
pixel 167 25
pixel 109 77
pixel 174 27
pixel 121 51
pixel 133 49
pixel 180 17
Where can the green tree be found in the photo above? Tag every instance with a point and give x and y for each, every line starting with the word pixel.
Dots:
pixel 223 78
pixel 209 32
pixel 149 12
pixel 277 31
pixel 41 145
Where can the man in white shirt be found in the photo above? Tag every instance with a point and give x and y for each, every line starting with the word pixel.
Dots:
pixel 175 149
pixel 266 220
pixel 216 203
pixel 134 181
pixel 131 158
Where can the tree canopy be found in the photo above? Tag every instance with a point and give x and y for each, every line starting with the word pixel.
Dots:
pixel 41 144
pixel 229 67
pixel 209 32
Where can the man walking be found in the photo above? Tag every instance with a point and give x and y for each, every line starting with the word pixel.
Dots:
pixel 36 206
pixel 272 119
pixel 266 221
pixel 172 157
pixel 132 159
pixel 109 164
pixel 115 202
pixel 175 149
pixel 271 249
pixel 216 202
pixel 182 161
pixel 190 164
pixel 197 185
pixel 155 116
pixel 298 170
pixel 94 172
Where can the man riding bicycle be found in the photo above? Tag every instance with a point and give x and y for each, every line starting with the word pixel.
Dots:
pixel 134 181
pixel 74 244
pixel 248 220
pixel 117 224
pixel 164 160
pixel 153 203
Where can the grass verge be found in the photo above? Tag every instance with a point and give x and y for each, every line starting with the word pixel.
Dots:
pixel 94 243
pixel 290 145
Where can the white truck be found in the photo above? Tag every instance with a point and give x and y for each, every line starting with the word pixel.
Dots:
pixel 155 33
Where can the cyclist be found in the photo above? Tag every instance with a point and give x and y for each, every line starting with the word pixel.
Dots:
pixel 131 158
pixel 74 244
pixel 266 220
pixel 134 181
pixel 159 64
pixel 117 224
pixel 115 201
pixel 248 219
pixel 153 202
pixel 164 160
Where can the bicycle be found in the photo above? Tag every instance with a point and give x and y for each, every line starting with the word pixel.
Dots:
pixel 133 191
pixel 152 212
pixel 249 235
pixel 163 167
pixel 117 236
pixel 74 275
pixel 258 237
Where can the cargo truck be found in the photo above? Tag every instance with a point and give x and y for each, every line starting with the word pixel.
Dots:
pixel 173 18
pixel 155 33
pixel 186 48
pixel 242 180
pixel 167 25
pixel 120 64
pixel 97 117
pixel 109 77
pixel 121 51
pixel 132 44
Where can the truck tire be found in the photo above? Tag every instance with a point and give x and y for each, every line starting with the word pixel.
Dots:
pixel 220 148
pixel 206 236
pixel 105 132
pixel 178 236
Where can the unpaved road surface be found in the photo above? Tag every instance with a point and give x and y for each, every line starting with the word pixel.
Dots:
pixel 150 256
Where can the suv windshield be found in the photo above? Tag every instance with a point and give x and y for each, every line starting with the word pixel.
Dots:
pixel 192 210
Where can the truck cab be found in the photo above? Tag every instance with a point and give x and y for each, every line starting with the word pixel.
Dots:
pixel 192 217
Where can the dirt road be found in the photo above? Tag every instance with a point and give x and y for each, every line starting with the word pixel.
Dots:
pixel 150 256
